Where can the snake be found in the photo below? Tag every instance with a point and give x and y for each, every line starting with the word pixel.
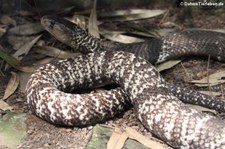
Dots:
pixel 49 95
pixel 177 45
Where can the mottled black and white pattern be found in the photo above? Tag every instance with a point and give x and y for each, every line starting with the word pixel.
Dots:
pixel 156 107
pixel 194 42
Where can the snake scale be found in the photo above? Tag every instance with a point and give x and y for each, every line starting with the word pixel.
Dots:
pixel 175 46
pixel 156 106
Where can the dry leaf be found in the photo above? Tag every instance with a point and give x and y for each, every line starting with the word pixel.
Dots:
pixel 120 143
pixel 13 129
pixel 113 139
pixel 118 37
pixel 165 31
pixel 117 140
pixel 11 86
pixel 5 106
pixel 214 30
pixel 131 14
pixel 14 62
pixel 92 25
pixel 19 42
pixel 211 93
pixel 213 79
pixel 202 109
pixel 55 52
pixel 24 77
pixel 133 134
pixel 202 74
pixel 167 65
pixel 19 54
pixel 7 20
pixel 79 20
pixel 27 29
pixel 2 32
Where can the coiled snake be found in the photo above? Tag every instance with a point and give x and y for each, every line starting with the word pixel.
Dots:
pixel 157 108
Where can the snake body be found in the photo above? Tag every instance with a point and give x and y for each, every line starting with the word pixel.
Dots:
pixel 173 46
pixel 162 113
pixel 158 110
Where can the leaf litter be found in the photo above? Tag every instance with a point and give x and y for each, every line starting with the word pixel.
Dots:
pixel 114 138
pixel 12 129
pixel 213 79
pixel 11 86
pixel 135 15
pixel 93 23
pixel 130 15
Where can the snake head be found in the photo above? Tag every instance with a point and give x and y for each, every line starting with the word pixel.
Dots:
pixel 63 30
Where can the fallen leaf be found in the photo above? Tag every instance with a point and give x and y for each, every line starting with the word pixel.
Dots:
pixel 167 65
pixel 202 74
pixel 55 52
pixel 131 14
pixel 14 62
pixel 4 106
pixel 24 77
pixel 79 20
pixel 118 37
pixel 18 42
pixel 211 93
pixel 213 79
pixel 11 86
pixel 165 31
pixel 27 29
pixel 92 25
pixel 2 32
pixel 214 30
pixel 133 134
pixel 117 140
pixel 7 20
pixel 113 139
pixel 101 135
pixel 201 109
pixel 20 53
pixel 13 129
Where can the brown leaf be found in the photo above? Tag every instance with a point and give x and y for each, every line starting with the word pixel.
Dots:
pixel 118 37
pixel 133 134
pixel 202 74
pixel 5 106
pixel 27 29
pixel 2 32
pixel 167 65
pixel 211 93
pixel 19 54
pixel 92 25
pixel 11 86
pixel 114 139
pixel 14 62
pixel 55 52
pixel 213 79
pixel 7 20
pixel 131 14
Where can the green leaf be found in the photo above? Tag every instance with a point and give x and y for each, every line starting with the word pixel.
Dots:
pixel 14 62
pixel 12 129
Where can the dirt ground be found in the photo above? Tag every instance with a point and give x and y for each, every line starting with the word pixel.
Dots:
pixel 43 135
